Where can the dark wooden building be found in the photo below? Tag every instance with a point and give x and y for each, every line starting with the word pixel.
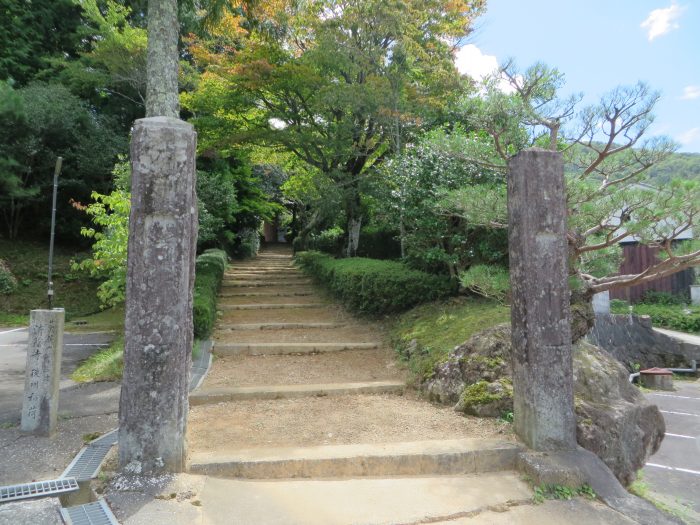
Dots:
pixel 637 258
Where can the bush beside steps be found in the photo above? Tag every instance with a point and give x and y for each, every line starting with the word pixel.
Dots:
pixel 209 272
pixel 372 286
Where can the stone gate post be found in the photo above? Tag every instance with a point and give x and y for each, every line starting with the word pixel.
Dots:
pixel 540 316
pixel 158 329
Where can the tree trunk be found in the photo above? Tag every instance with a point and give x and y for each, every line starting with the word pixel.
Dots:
pixel 354 220
pixel 162 60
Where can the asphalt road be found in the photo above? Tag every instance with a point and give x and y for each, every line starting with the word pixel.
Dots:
pixel 75 399
pixel 674 471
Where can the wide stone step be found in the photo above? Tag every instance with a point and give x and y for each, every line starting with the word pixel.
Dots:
pixel 280 291
pixel 265 283
pixel 327 314
pixel 288 348
pixel 221 395
pixel 272 299
pixel 269 306
pixel 282 274
pixel 279 326
pixel 421 458
pixel 349 333
pixel 261 266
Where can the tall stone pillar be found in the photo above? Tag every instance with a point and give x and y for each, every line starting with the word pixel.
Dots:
pixel 158 329
pixel 43 372
pixel 540 316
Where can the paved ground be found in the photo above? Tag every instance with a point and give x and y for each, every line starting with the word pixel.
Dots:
pixel 673 473
pixel 75 399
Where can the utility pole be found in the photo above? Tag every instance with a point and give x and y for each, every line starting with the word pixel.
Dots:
pixel 57 171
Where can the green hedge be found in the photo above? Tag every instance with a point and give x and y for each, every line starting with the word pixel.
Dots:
pixel 209 272
pixel 372 286
pixel 674 317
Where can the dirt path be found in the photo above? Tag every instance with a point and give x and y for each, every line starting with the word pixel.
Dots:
pixel 307 421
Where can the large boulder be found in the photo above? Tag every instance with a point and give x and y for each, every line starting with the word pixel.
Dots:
pixel 614 420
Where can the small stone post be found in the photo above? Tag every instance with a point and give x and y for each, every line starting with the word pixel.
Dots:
pixel 43 373
pixel 540 316
pixel 601 303
pixel 695 294
pixel 160 274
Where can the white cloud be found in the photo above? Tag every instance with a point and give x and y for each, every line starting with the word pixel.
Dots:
pixel 662 21
pixel 690 93
pixel 469 60
pixel 688 137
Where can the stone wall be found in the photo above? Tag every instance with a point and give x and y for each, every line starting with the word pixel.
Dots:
pixel 632 340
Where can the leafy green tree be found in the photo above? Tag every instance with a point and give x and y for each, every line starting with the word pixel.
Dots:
pixel 607 156
pixel 49 122
pixel 409 185
pixel 33 33
pixel 335 82
pixel 110 216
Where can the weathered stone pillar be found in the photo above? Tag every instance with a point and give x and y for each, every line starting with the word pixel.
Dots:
pixel 540 316
pixel 43 373
pixel 160 275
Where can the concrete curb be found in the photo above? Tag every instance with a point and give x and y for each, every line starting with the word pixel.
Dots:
pixel 222 395
pixel 578 467
pixel 458 456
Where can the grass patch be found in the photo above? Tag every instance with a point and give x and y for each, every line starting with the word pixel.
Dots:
pixel 28 262
pixel 108 364
pixel 438 327
pixel 107 320
pixel 562 492
pixel 8 319
pixel 105 365
pixel 677 508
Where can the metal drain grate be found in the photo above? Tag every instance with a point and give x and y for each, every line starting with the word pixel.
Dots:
pixel 110 438
pixel 87 463
pixel 38 489
pixel 97 513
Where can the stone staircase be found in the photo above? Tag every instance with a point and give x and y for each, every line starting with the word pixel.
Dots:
pixel 300 390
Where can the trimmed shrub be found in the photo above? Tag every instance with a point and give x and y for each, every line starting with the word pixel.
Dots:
pixel 8 283
pixel 372 286
pixel 662 298
pixel 674 317
pixel 209 272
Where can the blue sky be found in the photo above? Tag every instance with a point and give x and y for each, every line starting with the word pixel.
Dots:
pixel 601 44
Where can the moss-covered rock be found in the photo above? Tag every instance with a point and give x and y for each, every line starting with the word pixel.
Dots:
pixel 486 399
pixel 614 420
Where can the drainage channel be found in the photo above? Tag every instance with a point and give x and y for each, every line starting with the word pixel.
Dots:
pixel 38 489
pixel 86 465
pixel 95 513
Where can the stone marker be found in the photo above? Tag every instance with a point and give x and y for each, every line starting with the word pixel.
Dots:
pixel 543 399
pixel 601 303
pixel 158 329
pixel 695 294
pixel 43 372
